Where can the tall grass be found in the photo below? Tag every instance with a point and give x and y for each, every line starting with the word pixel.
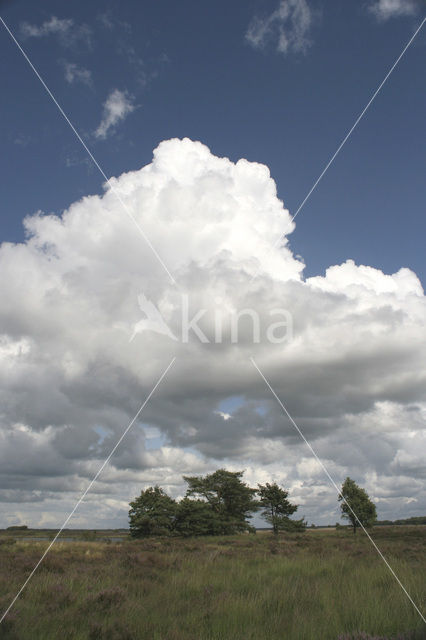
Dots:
pixel 326 585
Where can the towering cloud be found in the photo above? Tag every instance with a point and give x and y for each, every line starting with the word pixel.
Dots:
pixel 350 368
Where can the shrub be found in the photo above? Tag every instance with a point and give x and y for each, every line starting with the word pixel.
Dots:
pixel 7 541
pixel 367 636
pixel 107 598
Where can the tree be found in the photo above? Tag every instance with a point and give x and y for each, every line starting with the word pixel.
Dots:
pixel 152 513
pixel 293 525
pixel 196 518
pixel 277 509
pixel 356 505
pixel 231 500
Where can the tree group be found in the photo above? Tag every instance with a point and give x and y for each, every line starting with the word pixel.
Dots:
pixel 221 504
pixel 216 504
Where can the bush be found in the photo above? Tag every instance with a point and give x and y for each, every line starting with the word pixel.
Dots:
pixel 89 536
pixel 367 636
pixel 7 541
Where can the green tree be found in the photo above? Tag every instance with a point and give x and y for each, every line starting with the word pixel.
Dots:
pixel 277 509
pixel 356 506
pixel 152 513
pixel 231 500
pixel 293 525
pixel 196 518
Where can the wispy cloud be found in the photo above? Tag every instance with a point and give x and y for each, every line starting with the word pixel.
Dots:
pixel 287 27
pixel 53 26
pixel 74 73
pixel 385 9
pixel 116 108
pixel 126 43
pixel 22 140
pixel 67 32
pixel 105 19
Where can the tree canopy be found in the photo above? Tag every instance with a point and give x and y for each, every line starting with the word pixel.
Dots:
pixel 196 518
pixel 229 497
pixel 219 503
pixel 356 505
pixel 277 509
pixel 152 513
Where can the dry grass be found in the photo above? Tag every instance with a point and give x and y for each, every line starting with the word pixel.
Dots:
pixel 318 585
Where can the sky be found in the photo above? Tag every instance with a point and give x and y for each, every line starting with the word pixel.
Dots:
pixel 212 122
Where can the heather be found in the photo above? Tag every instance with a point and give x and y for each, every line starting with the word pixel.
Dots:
pixel 322 584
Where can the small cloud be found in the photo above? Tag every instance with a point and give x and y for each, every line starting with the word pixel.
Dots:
pixel 288 26
pixel 74 73
pixel 22 140
pixel 75 160
pixel 225 416
pixel 64 28
pixel 385 9
pixel 105 19
pixel 116 108
pixel 125 48
pixel 53 26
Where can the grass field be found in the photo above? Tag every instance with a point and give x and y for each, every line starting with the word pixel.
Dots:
pixel 322 584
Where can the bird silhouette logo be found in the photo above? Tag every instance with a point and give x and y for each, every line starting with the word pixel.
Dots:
pixel 153 322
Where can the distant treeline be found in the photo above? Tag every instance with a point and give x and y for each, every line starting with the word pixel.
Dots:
pixel 414 520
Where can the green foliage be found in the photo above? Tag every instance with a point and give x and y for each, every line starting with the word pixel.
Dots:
pixel 356 505
pixel 294 526
pixel 196 518
pixel 276 508
pixel 152 514
pixel 228 496
pixel 223 505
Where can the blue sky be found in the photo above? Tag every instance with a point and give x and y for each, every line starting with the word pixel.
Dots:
pixel 189 70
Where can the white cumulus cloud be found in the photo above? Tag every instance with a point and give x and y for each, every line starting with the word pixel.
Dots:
pixel 116 108
pixel 352 374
